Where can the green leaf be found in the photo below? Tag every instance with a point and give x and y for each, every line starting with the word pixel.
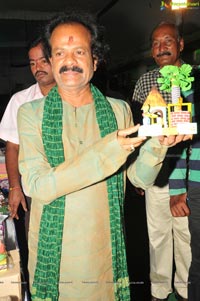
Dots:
pixel 177 76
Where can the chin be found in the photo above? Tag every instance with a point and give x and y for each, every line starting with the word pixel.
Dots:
pixel 164 63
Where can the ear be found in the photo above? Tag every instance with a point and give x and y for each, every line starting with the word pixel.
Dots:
pixel 181 43
pixel 152 52
pixel 95 63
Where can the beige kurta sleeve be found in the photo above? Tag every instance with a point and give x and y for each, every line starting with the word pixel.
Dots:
pixel 143 172
pixel 44 183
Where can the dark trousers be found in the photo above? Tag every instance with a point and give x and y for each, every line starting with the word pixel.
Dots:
pixel 194 226
pixel 22 226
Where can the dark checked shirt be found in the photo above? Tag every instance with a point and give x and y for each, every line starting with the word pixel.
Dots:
pixel 145 84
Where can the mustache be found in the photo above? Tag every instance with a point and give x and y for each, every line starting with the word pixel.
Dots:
pixel 40 72
pixel 163 53
pixel 73 68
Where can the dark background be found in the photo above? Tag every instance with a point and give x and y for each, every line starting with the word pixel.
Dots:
pixel 128 24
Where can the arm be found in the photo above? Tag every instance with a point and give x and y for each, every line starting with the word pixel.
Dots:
pixel 177 188
pixel 151 154
pixel 148 164
pixel 8 125
pixel 143 171
pixel 44 183
pixel 177 179
pixel 16 195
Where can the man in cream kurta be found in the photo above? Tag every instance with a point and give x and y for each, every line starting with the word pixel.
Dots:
pixel 86 263
pixel 86 268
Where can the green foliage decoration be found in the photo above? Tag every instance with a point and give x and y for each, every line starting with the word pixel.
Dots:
pixel 175 76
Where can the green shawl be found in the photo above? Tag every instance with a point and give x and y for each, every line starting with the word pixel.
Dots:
pixel 46 278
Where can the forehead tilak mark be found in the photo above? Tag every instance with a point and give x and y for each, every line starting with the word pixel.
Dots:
pixel 70 39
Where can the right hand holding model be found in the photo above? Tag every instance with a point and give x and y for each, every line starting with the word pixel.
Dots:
pixel 125 139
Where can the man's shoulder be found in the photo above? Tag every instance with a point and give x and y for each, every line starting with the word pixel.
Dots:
pixel 28 94
pixel 35 105
pixel 196 71
pixel 144 85
pixel 115 102
pixel 121 108
pixel 147 80
pixel 150 74
pixel 25 91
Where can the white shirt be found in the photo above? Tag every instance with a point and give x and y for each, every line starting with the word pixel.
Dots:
pixel 8 125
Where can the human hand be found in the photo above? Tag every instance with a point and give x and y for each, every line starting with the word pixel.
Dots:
pixel 172 140
pixel 139 191
pixel 125 140
pixel 178 205
pixel 16 197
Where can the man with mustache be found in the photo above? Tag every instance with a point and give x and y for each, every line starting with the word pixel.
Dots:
pixel 41 70
pixel 74 145
pixel 169 237
pixel 73 68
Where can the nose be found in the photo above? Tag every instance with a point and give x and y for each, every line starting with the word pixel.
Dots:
pixel 162 46
pixel 69 59
pixel 38 65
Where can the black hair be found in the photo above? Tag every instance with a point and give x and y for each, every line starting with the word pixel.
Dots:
pixel 99 47
pixel 35 42
pixel 172 25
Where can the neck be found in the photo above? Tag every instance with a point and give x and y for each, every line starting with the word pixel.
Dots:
pixel 178 63
pixel 77 98
pixel 45 89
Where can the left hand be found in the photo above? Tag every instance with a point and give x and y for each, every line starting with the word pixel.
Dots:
pixel 139 191
pixel 178 205
pixel 173 139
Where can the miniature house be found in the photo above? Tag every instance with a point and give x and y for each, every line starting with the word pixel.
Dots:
pixel 154 109
pixel 160 118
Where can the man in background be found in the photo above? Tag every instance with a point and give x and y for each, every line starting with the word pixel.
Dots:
pixel 41 70
pixel 169 237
